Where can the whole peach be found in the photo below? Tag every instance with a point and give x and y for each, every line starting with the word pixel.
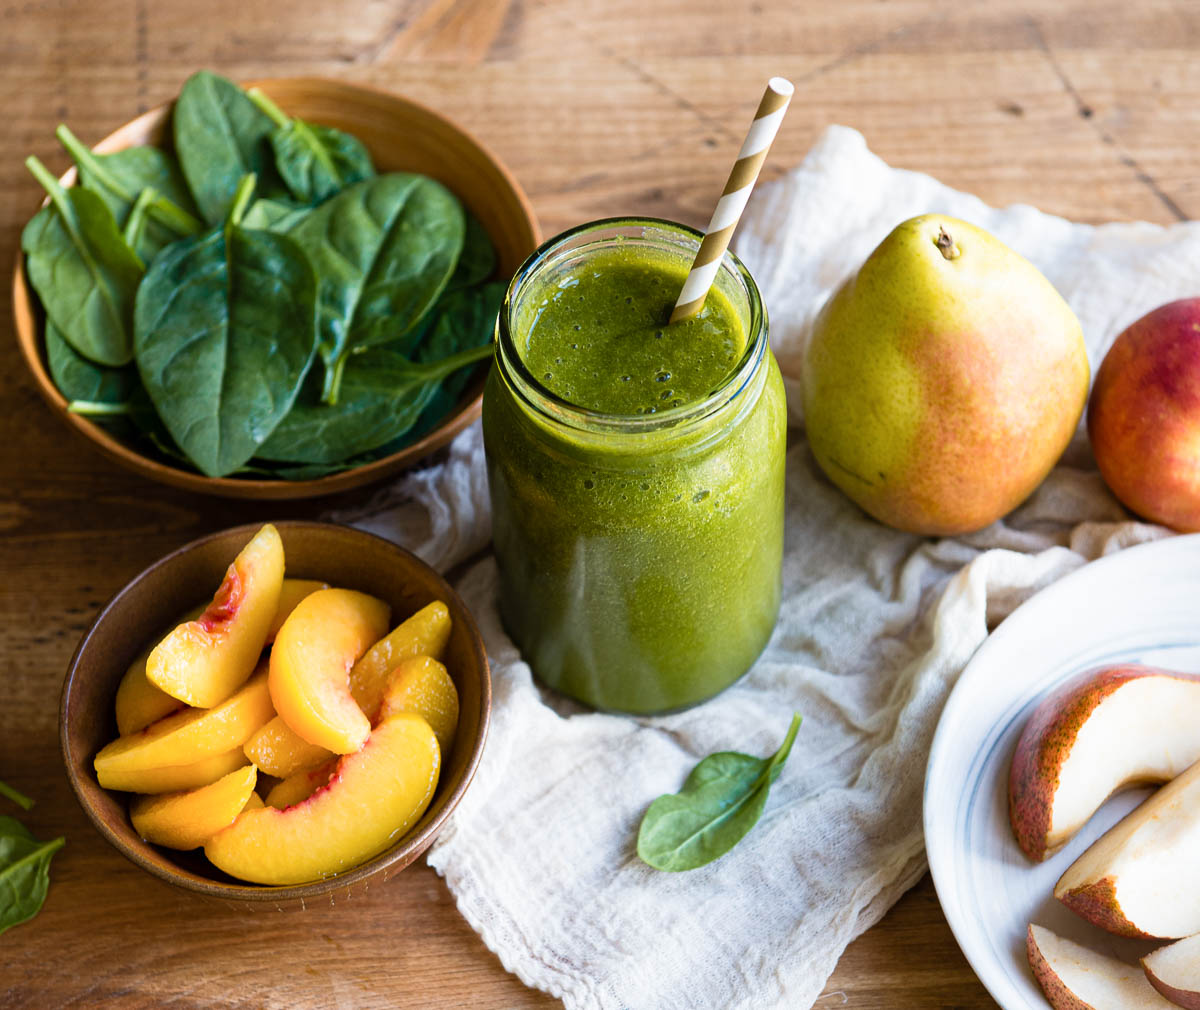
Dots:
pixel 1144 416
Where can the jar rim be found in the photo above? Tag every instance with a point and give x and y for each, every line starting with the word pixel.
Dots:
pixel 549 405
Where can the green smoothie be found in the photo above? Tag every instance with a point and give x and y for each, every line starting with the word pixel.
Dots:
pixel 636 473
pixel 599 337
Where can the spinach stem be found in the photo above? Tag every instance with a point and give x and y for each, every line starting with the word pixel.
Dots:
pixel 161 209
pixel 95 408
pixel 66 210
pixel 446 366
pixel 241 199
pixel 20 799
pixel 58 195
pixel 277 115
pixel 45 849
pixel 333 379
pixel 135 224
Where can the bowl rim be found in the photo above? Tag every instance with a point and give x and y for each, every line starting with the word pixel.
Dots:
pixel 405 851
pixel 467 410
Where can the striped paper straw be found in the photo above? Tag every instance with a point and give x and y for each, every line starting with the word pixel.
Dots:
pixel 733 198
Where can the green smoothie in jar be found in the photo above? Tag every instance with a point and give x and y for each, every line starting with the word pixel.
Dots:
pixel 635 469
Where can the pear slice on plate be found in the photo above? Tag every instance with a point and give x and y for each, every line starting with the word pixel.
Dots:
pixel 1142 877
pixel 1076 978
pixel 1175 972
pixel 1101 732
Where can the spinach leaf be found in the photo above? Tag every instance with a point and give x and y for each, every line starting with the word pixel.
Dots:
pixel 221 137
pixel 383 394
pixel 80 379
pixel 24 872
pixel 383 250
pixel 274 215
pixel 464 318
pixel 119 178
pixel 24 866
pixel 225 330
pixel 719 803
pixel 81 268
pixel 478 259
pixel 314 161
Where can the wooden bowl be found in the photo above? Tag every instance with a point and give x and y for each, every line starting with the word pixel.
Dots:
pixel 151 604
pixel 401 136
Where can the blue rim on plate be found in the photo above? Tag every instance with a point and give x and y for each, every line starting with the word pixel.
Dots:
pixel 1141 604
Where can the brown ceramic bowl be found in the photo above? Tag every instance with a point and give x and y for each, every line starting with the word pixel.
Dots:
pixel 147 607
pixel 401 136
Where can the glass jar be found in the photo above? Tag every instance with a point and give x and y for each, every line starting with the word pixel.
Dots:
pixel 639 554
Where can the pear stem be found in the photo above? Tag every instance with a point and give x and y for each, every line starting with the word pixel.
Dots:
pixel 947 246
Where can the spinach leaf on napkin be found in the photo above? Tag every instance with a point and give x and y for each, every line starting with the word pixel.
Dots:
pixel 719 803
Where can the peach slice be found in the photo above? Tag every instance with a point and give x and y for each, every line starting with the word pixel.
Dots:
pixel 424 634
pixel 373 798
pixel 173 778
pixel 279 751
pixel 254 802
pixel 423 686
pixel 291 593
pixel 311 662
pixel 202 662
pixel 189 736
pixel 300 786
pixel 139 703
pixel 187 820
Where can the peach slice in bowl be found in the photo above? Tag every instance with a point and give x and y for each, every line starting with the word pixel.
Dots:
pixel 152 604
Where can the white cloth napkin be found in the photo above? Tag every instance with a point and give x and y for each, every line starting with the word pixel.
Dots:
pixel 875 628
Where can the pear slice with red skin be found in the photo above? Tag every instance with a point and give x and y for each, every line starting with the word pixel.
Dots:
pixel 1174 971
pixel 1108 729
pixel 1076 978
pixel 1142 877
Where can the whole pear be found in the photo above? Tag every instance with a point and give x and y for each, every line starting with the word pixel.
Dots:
pixel 943 380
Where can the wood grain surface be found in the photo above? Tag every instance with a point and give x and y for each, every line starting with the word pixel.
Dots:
pixel 1085 108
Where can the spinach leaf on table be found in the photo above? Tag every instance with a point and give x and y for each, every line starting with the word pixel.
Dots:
pixel 720 801
pixel 83 271
pixel 383 394
pixel 221 137
pixel 383 250
pixel 225 331
pixel 24 866
pixel 24 872
pixel 119 178
pixel 314 161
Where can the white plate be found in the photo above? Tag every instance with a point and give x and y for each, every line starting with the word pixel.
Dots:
pixel 1141 604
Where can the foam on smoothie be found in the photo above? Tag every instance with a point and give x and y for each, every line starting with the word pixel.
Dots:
pixel 598 337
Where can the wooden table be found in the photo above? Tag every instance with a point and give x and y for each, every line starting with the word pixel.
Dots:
pixel 1087 108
